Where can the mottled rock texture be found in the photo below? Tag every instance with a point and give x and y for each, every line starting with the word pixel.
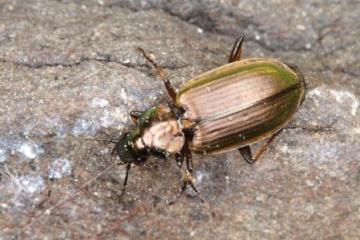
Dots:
pixel 69 71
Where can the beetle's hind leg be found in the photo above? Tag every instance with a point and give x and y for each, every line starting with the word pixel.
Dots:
pixel 246 150
pixel 236 51
pixel 162 74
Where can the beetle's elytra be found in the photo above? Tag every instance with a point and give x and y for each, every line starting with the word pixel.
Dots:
pixel 227 108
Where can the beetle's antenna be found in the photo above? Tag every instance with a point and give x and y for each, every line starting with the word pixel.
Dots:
pixel 102 140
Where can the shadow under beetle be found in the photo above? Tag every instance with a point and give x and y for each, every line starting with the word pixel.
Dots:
pixel 227 108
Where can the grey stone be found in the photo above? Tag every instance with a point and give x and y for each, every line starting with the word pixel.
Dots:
pixel 69 72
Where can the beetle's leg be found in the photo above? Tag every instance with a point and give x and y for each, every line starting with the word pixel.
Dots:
pixel 246 150
pixel 187 180
pixel 246 153
pixel 126 178
pixel 236 51
pixel 185 154
pixel 189 162
pixel 182 190
pixel 162 74
pixel 188 133
pixel 135 115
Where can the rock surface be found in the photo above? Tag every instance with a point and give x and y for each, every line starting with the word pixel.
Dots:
pixel 69 71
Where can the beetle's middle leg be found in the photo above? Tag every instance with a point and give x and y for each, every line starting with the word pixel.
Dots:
pixel 236 51
pixel 246 150
pixel 162 74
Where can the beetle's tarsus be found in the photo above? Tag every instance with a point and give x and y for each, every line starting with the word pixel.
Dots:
pixel 182 190
pixel 187 179
pixel 197 192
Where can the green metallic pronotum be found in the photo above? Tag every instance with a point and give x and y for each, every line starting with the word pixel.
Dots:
pixel 240 103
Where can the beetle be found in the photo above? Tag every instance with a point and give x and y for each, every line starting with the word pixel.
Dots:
pixel 229 107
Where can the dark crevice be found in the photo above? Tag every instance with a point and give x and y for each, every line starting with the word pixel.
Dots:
pixel 87 59
pixel 201 19
pixel 205 22
pixel 336 69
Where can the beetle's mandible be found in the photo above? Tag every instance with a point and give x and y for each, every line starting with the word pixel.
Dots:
pixel 227 108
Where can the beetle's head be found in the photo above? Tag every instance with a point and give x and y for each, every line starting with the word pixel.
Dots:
pixel 127 151
pixel 157 132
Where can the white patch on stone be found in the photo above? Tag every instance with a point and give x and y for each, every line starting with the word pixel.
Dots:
pixel 30 150
pixel 23 188
pixel 284 148
pixel 357 130
pixel 339 95
pixel 29 184
pixel 106 120
pixel 60 168
pixel 123 94
pixel 3 155
pixel 99 103
pixel 81 126
pixel 342 96
pixel 201 176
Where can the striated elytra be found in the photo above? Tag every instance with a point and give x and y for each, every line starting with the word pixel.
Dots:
pixel 240 103
pixel 227 108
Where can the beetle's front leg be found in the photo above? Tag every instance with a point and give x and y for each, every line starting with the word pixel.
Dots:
pixel 246 150
pixel 187 179
pixel 128 166
pixel 162 74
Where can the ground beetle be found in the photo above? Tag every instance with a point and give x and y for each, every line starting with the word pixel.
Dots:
pixel 227 108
